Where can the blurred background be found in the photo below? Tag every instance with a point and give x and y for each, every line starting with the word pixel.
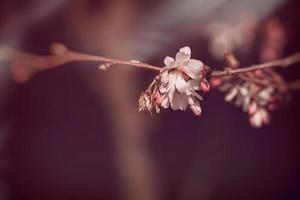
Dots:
pixel 75 132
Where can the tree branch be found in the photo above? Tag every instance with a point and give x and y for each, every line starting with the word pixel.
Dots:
pixel 285 62
pixel 25 65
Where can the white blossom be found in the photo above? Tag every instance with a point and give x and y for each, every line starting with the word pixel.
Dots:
pixel 180 79
pixel 179 82
pixel 241 94
pixel 258 115
pixel 254 99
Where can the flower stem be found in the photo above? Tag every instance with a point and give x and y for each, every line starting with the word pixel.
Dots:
pixel 25 65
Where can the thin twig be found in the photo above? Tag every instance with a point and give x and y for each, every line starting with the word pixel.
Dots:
pixel 294 58
pixel 25 65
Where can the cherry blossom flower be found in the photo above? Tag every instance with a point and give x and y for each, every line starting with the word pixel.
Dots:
pixel 254 98
pixel 258 115
pixel 241 94
pixel 179 82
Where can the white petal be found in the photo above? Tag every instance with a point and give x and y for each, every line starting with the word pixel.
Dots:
pixel 165 102
pixel 233 92
pixel 164 77
pixel 168 61
pixel 256 120
pixel 193 69
pixel 191 100
pixel 186 50
pixel 244 91
pixel 172 78
pixel 171 93
pixel 171 81
pixel 195 106
pixel 179 102
pixel 162 89
pixel 265 116
pixel 196 109
pixel 239 100
pixel 181 85
pixel 147 102
pixel 246 103
pixel 265 95
pixel 195 84
pixel 252 108
pixel 181 58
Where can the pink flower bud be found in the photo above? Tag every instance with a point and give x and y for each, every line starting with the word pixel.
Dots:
pixel 259 73
pixel 158 98
pixel 204 85
pixel 215 82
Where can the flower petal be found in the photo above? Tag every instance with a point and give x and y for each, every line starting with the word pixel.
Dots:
pixel 256 120
pixel 171 80
pixel 164 77
pixel 265 116
pixel 265 95
pixel 165 102
pixel 162 89
pixel 244 91
pixel 252 108
pixel 181 58
pixel 233 92
pixel 181 85
pixel 195 106
pixel 171 93
pixel 195 84
pixel 193 69
pixel 168 61
pixel 179 102
pixel 246 103
pixel 186 50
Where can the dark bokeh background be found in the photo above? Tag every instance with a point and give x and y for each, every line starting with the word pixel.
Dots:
pixel 60 130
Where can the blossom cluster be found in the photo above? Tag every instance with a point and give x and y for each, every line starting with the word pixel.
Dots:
pixel 177 85
pixel 257 98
